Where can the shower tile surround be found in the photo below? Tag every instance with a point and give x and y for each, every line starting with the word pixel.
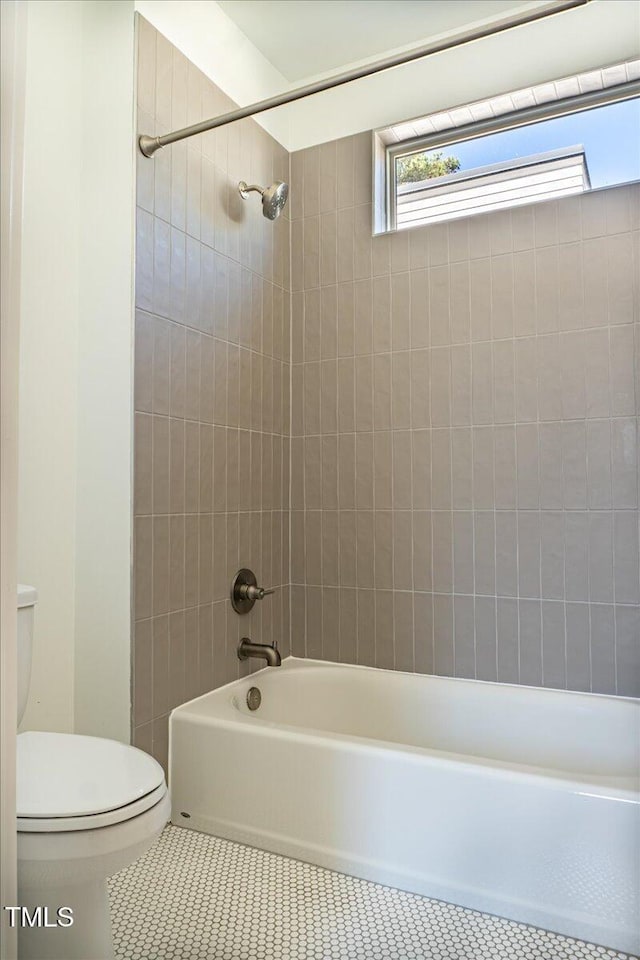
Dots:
pixel 462 403
pixel 211 438
pixel 464 486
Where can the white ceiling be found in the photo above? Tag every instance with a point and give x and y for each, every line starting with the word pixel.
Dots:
pixel 305 38
pixel 283 44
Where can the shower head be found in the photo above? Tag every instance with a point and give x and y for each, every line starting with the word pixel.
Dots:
pixel 273 197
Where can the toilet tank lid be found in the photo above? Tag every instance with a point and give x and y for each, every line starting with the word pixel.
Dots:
pixel 27 596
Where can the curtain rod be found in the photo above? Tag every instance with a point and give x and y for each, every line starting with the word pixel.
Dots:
pixel 149 145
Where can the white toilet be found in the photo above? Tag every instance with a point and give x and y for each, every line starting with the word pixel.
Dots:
pixel 87 807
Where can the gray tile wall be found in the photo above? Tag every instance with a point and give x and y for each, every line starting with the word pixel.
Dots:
pixel 464 484
pixel 211 394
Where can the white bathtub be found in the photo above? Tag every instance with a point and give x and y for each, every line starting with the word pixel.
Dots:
pixel 517 801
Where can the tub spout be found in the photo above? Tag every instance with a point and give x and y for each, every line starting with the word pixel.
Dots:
pixel 265 651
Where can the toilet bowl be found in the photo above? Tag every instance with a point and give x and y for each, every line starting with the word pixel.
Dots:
pixel 87 807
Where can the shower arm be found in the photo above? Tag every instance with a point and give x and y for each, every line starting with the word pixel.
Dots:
pixel 148 145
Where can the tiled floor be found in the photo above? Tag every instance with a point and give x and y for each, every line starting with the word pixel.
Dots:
pixel 195 897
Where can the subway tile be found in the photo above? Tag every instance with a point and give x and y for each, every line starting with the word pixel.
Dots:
pixel 177 546
pixel 348 562
pixel 624 463
pixel 422 550
pixel 399 245
pixel 620 278
pixel 530 642
pixel 573 376
pixel 482 380
pixel 402 492
pixel 160 566
pixel 313 546
pixel 421 390
pixel 602 647
pixel 626 564
pixel 347 471
pixel 383 550
pixel 552 552
pixel 401 389
pixel 143 464
pixel 526 380
pixel 365 553
pixel 420 317
pixel 504 447
pixel 383 470
pixel 601 557
pixel 143 368
pixel 460 305
pixel 403 632
pixel 627 651
pixel 382 392
pixel 576 568
pixel 161 366
pixel 547 286
pixel 330 541
pixel 594 258
pixel 461 469
pixel 400 312
pixel 461 385
pixel 524 293
pixel 507 641
pixel 506 553
pixel 423 632
pixel 574 465
pixel 402 550
pixel 597 359
pixel 571 291
pixel 504 381
pixel 502 294
pixel 345 244
pixel 486 638
pixel 348 617
pixel 464 637
pixel 550 447
pixel 161 459
pixel 439 306
pixel 549 370
pixel 440 379
pixel 484 553
pixel 442 538
pixel 480 299
pixel 440 470
pixel 443 638
pixel 362 241
pixel 364 471
pixel 366 628
pixel 330 624
pixel 528 466
pixel 622 373
pixel 483 468
pixel 144 259
pixel 142 672
pixel 463 561
pixel 554 666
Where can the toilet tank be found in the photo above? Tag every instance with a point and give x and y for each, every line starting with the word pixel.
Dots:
pixel 27 598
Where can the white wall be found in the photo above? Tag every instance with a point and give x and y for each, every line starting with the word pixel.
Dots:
pixel 13 33
pixel 600 33
pixel 75 369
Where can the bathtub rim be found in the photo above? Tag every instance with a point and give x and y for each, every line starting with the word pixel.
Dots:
pixel 498 769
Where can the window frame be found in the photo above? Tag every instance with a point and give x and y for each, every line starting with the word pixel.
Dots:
pixel 470 131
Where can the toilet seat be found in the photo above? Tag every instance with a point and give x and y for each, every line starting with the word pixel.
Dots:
pixel 72 782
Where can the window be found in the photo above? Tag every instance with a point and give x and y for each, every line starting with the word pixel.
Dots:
pixel 576 134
